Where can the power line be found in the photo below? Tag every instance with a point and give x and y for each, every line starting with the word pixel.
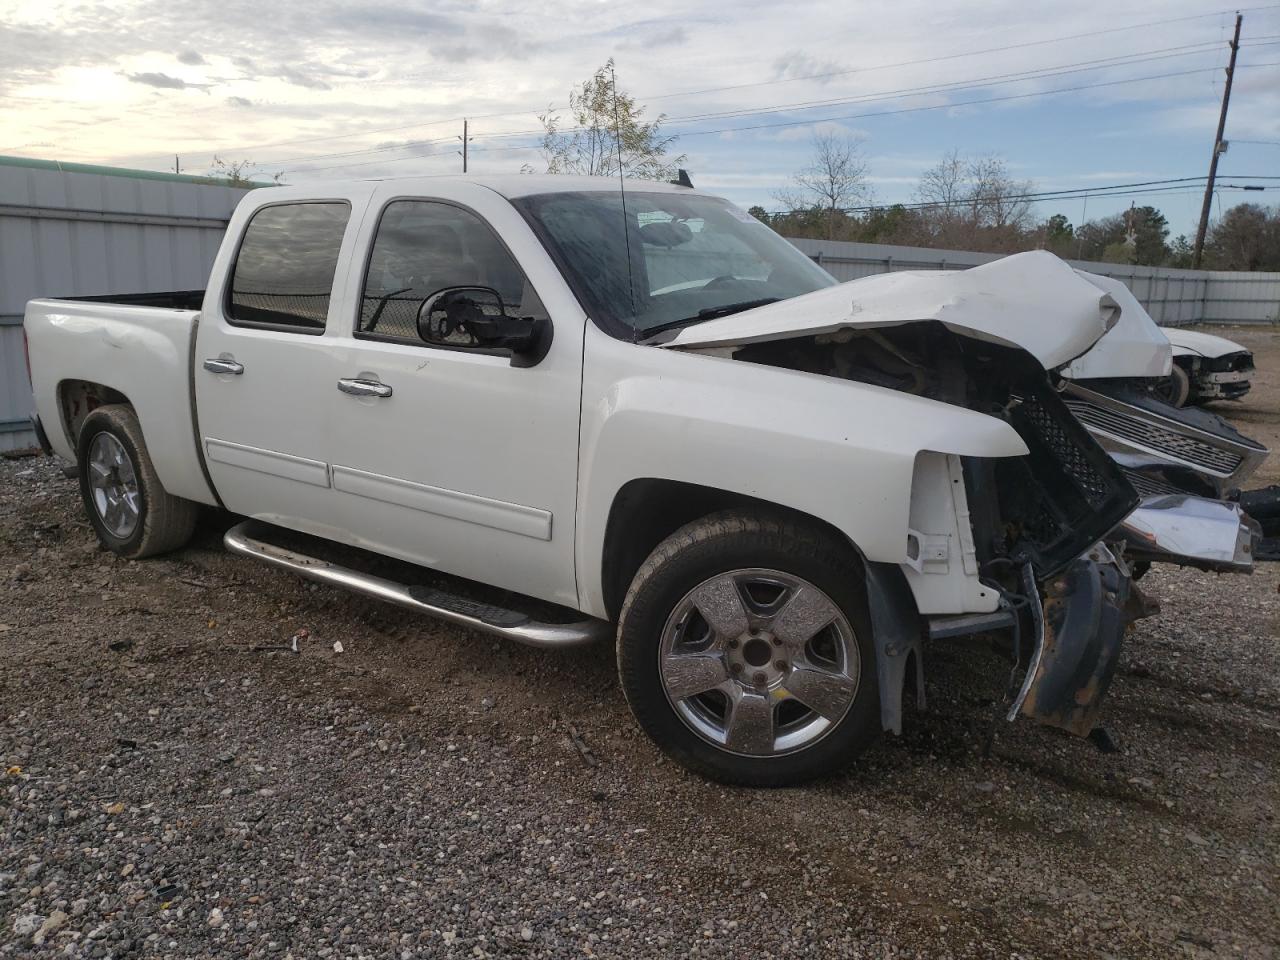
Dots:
pixel 950 56
pixel 1178 185
pixel 1041 73
pixel 776 81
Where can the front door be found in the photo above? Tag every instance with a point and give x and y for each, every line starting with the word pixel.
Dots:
pixel 265 361
pixel 443 452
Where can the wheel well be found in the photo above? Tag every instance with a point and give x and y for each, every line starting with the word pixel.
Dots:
pixel 647 511
pixel 79 398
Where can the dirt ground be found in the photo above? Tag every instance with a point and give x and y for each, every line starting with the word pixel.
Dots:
pixel 174 782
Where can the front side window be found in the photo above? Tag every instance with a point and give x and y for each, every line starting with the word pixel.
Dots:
pixel 283 274
pixel 673 259
pixel 438 274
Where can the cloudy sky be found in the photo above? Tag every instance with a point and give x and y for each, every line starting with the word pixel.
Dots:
pixel 320 89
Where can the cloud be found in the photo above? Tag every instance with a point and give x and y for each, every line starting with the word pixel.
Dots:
pixel 301 78
pixel 161 80
pixel 796 64
pixel 191 58
pixel 652 37
pixel 240 101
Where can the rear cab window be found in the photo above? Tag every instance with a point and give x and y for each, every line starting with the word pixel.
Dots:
pixel 283 274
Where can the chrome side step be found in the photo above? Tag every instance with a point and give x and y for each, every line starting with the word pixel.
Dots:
pixel 246 540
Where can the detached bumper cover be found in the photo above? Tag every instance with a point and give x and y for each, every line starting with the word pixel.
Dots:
pixel 1078 635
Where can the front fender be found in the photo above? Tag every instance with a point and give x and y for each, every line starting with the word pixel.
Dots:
pixel 838 450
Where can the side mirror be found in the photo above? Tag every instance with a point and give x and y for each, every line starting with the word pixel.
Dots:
pixel 477 317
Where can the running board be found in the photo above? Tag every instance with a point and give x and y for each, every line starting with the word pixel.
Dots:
pixel 246 540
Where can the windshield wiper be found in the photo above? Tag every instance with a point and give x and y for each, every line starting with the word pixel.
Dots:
pixel 711 313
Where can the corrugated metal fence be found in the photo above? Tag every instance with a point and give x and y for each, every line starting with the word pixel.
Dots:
pixel 74 230
pixel 1172 297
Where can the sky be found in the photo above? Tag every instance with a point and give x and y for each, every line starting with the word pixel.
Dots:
pixel 322 90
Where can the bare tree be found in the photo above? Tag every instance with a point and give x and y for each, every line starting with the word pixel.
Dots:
pixel 606 123
pixel 240 172
pixel 973 202
pixel 835 179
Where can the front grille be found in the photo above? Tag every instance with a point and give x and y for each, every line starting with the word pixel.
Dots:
pixel 1070 455
pixel 1144 432
pixel 1149 486
pixel 1067 493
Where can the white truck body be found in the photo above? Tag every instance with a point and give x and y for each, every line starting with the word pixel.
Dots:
pixel 527 509
pixel 479 376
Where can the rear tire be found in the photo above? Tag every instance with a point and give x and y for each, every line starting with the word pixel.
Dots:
pixel 769 615
pixel 129 508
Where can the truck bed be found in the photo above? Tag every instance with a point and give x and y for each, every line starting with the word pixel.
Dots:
pixel 134 348
pixel 169 299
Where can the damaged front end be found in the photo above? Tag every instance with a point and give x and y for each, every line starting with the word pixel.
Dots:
pixel 1037 522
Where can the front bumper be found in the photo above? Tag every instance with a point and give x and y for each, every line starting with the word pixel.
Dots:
pixel 1222 378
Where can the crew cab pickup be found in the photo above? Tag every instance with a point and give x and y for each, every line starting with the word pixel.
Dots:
pixel 635 413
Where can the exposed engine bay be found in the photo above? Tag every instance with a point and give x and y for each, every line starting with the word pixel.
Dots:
pixel 1038 520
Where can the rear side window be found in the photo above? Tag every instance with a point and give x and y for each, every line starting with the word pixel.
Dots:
pixel 283 274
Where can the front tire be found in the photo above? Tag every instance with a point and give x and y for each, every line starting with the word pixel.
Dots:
pixel 745 650
pixel 1174 389
pixel 129 508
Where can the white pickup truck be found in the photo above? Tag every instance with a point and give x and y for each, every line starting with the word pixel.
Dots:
pixel 639 414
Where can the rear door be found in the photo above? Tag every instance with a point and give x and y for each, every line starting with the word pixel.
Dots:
pixel 265 360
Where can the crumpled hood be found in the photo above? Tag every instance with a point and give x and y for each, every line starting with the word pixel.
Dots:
pixel 1134 347
pixel 1201 344
pixel 1030 300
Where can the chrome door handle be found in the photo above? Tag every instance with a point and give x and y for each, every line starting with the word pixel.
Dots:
pixel 223 365
pixel 364 388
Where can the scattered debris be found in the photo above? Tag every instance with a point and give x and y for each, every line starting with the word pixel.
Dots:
pixel 588 757
pixel 120 646
pixel 338 647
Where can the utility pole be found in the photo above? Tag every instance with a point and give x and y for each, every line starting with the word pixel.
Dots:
pixel 176 168
pixel 1219 147
pixel 465 138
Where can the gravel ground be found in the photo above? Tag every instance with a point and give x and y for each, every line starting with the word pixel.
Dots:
pixel 174 782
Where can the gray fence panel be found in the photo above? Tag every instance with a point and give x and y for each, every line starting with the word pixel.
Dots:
pixel 1172 297
pixel 78 233
pixel 15 394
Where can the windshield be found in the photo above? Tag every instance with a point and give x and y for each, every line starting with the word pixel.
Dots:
pixel 693 257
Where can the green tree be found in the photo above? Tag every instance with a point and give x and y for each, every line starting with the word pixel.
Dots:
pixel 1247 237
pixel 606 128
pixel 1138 235
pixel 1059 235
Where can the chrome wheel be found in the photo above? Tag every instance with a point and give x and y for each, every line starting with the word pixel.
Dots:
pixel 113 484
pixel 759 662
